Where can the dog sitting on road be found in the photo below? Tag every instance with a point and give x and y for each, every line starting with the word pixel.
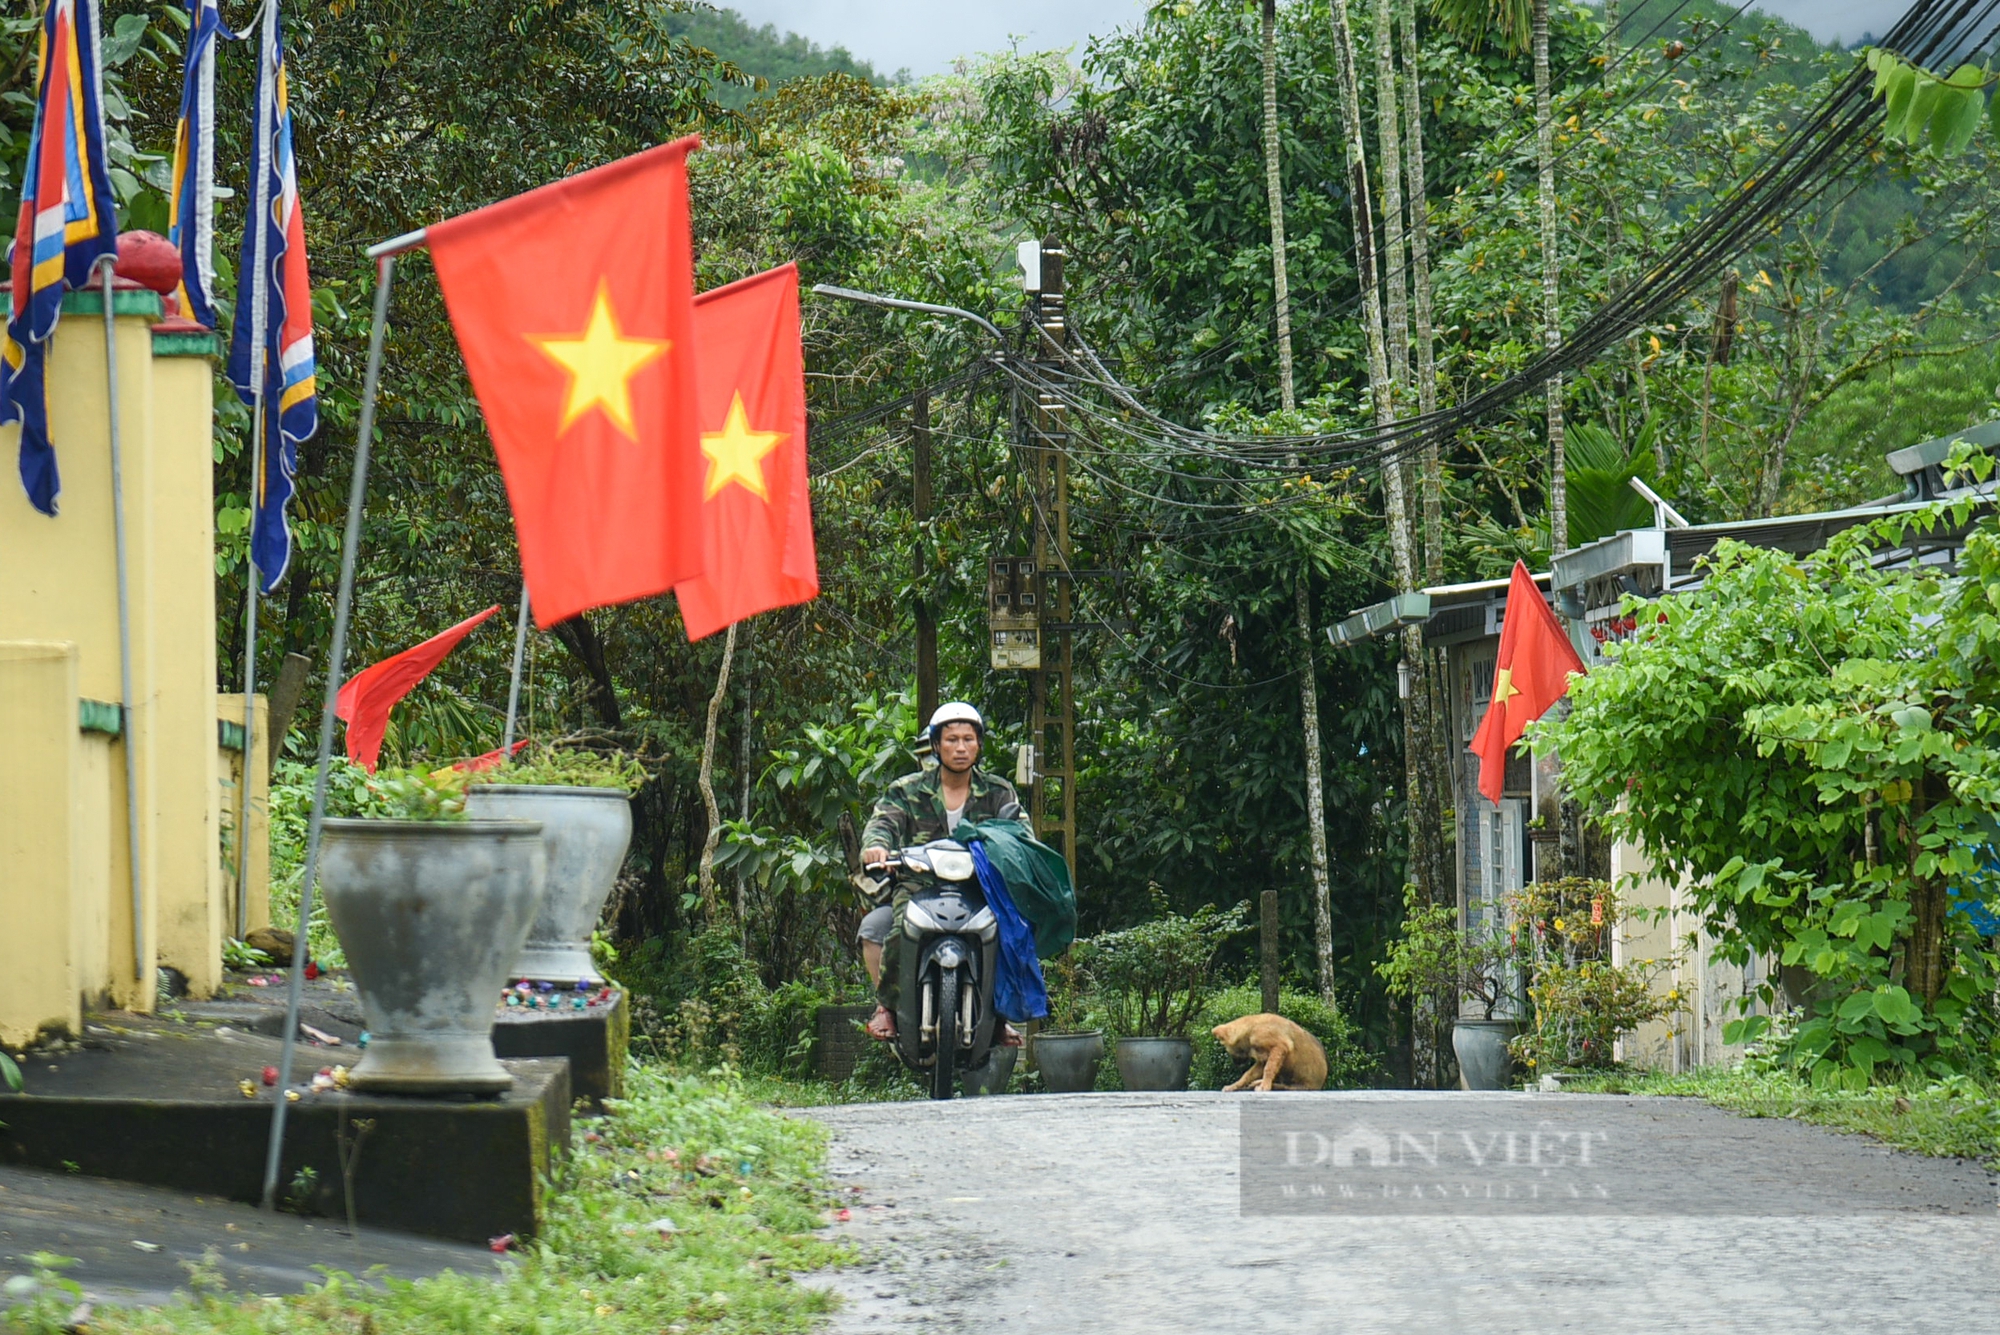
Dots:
pixel 1281 1054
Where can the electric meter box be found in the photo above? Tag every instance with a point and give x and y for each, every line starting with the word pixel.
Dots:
pixel 1014 613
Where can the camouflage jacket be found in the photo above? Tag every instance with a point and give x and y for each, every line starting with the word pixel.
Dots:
pixel 912 811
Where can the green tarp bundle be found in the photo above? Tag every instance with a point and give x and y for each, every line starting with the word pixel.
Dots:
pixel 1036 876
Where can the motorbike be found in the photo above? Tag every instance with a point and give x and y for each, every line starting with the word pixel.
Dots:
pixel 944 1015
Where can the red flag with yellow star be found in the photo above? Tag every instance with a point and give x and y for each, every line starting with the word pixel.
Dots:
pixel 1531 673
pixel 756 508
pixel 574 307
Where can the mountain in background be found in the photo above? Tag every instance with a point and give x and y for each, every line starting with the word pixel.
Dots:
pixel 765 52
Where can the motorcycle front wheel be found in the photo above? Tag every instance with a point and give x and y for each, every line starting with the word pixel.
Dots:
pixel 943 1072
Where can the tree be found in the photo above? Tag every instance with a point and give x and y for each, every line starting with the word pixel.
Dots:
pixel 1808 744
pixel 1274 193
pixel 1518 24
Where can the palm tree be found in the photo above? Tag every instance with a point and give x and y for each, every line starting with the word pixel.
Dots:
pixel 1302 595
pixel 1521 25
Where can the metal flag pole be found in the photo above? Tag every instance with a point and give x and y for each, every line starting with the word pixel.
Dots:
pixel 336 658
pixel 251 579
pixel 514 686
pixel 260 305
pixel 127 731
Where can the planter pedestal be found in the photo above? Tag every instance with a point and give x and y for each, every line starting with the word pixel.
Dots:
pixel 430 914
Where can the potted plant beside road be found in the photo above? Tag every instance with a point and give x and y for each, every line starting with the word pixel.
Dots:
pixel 1066 1052
pixel 1582 1002
pixel 583 801
pixel 431 907
pixel 1154 979
pixel 1435 958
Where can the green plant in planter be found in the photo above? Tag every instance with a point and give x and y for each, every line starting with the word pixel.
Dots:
pixel 568 767
pixel 1069 994
pixel 1583 1003
pixel 1435 957
pixel 401 794
pixel 1154 979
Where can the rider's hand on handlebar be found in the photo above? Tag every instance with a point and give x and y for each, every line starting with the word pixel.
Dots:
pixel 874 857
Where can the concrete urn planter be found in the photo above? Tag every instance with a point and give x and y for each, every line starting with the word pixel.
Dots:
pixel 1155 1063
pixel 1068 1062
pixel 586 832
pixel 430 914
pixel 1481 1046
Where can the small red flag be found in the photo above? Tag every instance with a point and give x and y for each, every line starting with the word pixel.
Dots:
pixel 573 305
pixel 369 695
pixel 1531 673
pixel 756 503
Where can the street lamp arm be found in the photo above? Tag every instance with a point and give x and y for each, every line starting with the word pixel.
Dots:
pixel 898 303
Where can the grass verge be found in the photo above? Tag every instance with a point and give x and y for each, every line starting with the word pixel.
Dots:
pixel 1957 1117
pixel 740 1182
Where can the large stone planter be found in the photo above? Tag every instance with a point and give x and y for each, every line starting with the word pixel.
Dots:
pixel 990 1076
pixel 1068 1062
pixel 1481 1046
pixel 430 914
pixel 586 832
pixel 1155 1063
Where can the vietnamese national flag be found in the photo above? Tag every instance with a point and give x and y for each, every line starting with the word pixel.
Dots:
pixel 573 305
pixel 757 529
pixel 1531 673
pixel 365 701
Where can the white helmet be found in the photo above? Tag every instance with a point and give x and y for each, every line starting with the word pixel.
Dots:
pixel 957 711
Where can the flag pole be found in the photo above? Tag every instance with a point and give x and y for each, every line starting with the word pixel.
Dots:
pixel 251 580
pixel 127 731
pixel 336 655
pixel 514 686
pixel 260 334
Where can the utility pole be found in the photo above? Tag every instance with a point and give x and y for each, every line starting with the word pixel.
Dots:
pixel 920 507
pixel 1052 716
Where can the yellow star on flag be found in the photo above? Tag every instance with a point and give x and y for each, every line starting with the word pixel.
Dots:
pixel 736 453
pixel 601 362
pixel 1504 688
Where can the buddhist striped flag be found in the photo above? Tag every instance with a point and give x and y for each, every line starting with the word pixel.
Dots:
pixel 191 216
pixel 272 344
pixel 68 222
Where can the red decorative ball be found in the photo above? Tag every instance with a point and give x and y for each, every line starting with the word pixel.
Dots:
pixel 150 260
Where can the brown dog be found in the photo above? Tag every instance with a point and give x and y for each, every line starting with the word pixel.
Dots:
pixel 1283 1054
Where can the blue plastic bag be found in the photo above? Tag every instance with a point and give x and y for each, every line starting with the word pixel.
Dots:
pixel 1018 990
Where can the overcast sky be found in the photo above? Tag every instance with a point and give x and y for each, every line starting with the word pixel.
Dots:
pixel 925 36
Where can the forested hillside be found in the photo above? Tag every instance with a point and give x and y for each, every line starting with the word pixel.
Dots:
pixel 763 53
pixel 1863 323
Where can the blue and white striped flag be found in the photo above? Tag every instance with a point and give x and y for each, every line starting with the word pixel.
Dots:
pixel 68 223
pixel 191 212
pixel 271 346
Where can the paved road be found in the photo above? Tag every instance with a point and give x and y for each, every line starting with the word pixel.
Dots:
pixel 132 1244
pixel 1112 1213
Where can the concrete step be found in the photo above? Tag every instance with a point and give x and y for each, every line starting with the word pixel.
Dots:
pixel 153 1100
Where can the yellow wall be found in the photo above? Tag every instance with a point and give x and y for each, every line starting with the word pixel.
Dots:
pixel 258 911
pixel 39 838
pixel 60 596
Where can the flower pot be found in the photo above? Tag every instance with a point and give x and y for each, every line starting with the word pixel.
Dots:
pixel 1155 1063
pixel 990 1076
pixel 1069 1061
pixel 1481 1046
pixel 430 914
pixel 586 832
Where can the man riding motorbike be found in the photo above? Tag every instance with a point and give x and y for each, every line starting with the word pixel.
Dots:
pixel 916 809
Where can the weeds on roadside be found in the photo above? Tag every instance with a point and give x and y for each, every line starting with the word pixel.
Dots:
pixel 739 1183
